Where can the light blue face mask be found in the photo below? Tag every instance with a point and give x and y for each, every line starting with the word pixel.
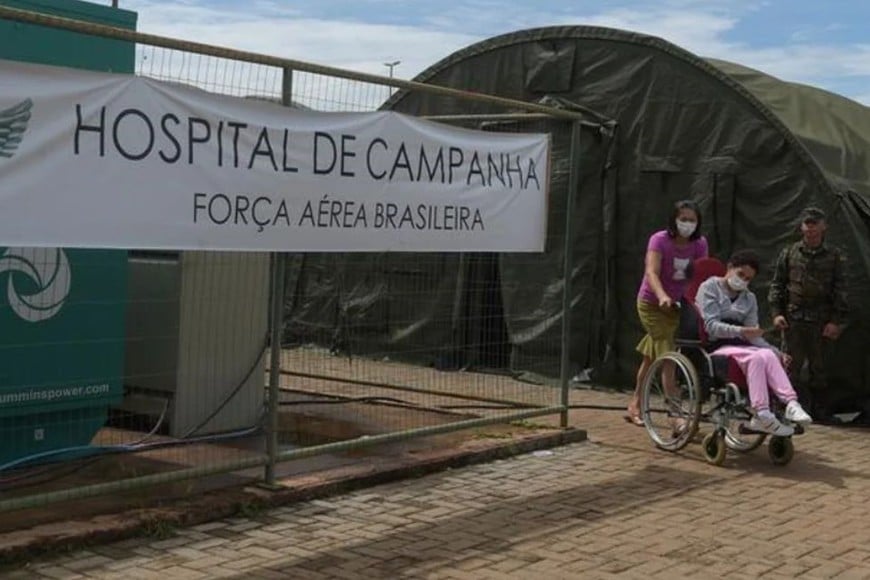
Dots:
pixel 737 283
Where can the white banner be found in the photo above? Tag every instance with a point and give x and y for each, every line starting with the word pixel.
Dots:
pixel 117 161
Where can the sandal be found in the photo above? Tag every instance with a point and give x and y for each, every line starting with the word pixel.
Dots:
pixel 633 418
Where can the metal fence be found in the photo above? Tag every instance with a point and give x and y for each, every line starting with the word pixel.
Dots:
pixel 242 364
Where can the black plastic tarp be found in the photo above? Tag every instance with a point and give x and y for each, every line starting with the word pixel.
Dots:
pixel 663 125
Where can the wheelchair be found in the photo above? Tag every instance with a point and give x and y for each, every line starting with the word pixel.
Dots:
pixel 689 386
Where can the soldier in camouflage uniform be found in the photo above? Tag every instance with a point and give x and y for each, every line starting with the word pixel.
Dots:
pixel 808 300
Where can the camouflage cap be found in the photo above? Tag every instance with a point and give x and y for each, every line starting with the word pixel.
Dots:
pixel 812 214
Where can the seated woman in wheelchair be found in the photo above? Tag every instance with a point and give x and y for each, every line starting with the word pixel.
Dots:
pixel 730 314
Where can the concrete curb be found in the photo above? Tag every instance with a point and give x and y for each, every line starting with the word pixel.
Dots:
pixel 20 545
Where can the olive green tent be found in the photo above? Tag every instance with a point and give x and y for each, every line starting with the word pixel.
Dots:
pixel 663 124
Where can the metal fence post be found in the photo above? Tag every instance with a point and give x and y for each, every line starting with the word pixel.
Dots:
pixel 567 271
pixel 276 325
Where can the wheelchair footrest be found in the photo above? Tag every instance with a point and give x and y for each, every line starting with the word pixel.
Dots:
pixel 745 430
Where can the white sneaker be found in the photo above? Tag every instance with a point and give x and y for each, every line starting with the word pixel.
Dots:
pixel 770 425
pixel 796 414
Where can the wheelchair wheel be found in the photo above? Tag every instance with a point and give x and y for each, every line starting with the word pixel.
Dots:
pixel 742 442
pixel 714 447
pixel 780 450
pixel 670 401
pixel 728 414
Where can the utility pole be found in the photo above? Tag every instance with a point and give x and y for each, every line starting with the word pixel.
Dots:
pixel 391 65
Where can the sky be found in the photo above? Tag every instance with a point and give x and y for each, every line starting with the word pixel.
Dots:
pixel 822 43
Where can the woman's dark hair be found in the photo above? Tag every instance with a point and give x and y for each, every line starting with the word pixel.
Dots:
pixel 744 258
pixel 672 223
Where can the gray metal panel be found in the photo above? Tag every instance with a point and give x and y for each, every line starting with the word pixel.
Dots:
pixel 223 326
pixel 151 356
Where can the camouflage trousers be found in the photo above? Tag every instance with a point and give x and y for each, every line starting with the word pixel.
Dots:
pixel 805 344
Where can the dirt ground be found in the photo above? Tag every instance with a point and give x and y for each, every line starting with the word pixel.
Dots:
pixel 324 399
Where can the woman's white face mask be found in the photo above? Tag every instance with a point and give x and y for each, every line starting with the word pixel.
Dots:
pixel 686 228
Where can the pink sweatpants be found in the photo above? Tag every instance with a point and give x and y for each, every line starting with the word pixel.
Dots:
pixel 763 372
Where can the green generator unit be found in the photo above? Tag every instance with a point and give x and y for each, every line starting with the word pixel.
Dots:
pixel 62 311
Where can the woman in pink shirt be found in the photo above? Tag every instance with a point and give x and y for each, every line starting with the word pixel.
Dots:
pixel 669 257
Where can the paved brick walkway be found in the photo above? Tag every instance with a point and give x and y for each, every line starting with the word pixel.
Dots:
pixel 610 507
